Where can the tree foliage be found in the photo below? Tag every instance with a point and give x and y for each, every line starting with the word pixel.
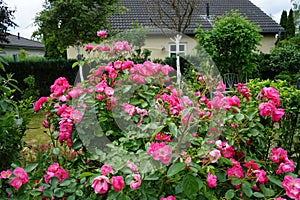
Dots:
pixel 6 21
pixel 290 25
pixel 74 22
pixel 283 22
pixel 231 43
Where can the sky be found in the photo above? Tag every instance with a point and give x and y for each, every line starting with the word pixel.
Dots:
pixel 26 11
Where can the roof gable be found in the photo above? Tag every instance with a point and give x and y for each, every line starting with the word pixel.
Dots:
pixel 20 42
pixel 138 12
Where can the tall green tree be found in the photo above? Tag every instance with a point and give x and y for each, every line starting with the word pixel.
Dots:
pixel 73 22
pixel 283 23
pixel 6 21
pixel 290 25
pixel 231 43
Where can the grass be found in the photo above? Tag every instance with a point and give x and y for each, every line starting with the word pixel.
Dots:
pixel 36 134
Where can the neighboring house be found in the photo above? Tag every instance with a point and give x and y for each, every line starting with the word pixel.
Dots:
pixel 16 43
pixel 161 45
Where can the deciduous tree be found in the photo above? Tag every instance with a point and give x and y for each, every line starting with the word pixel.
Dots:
pixel 231 43
pixel 69 23
pixel 6 21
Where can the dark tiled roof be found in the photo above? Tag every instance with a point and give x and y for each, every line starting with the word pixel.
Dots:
pixel 138 12
pixel 20 42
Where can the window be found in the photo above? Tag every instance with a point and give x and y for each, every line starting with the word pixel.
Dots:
pixel 182 49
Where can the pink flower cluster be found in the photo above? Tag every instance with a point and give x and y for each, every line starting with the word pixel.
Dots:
pixel 21 177
pixel 254 173
pixel 235 172
pixel 211 180
pixel 131 110
pixel 101 184
pixel 102 33
pixel 226 150
pixel 55 170
pixel 269 108
pixel 59 87
pixel 292 187
pixel 160 151
pixel 279 157
pixel 173 101
pixel 69 116
pixel 139 72
pixel 38 104
pixel 168 198
pixel 243 90
pixel 120 46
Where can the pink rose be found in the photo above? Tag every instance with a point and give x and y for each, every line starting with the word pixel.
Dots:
pixel 214 156
pixel 266 109
pixel 89 47
pixel 134 184
pixel 20 179
pixel 101 33
pixel 100 184
pixel 5 174
pixel 130 109
pixel 106 169
pixel 168 198
pixel 277 114
pixel 211 180
pixel 117 183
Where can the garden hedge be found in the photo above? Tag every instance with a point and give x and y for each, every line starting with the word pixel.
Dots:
pixel 44 73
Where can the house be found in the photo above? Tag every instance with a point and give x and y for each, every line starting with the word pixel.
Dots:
pixel 159 42
pixel 16 43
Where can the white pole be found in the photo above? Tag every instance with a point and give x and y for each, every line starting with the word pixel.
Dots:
pixel 177 42
pixel 80 67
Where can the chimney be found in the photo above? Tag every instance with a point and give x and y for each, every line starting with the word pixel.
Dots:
pixel 207 11
pixel 19 36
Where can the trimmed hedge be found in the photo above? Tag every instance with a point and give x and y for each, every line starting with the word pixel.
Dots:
pixel 44 72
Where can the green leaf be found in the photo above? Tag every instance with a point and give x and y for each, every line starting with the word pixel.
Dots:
pixel 102 119
pixel 55 151
pixel 79 193
pixel 267 191
pixel 258 195
pixel 275 180
pixel 48 193
pixel 77 145
pixel 255 132
pixel 247 190
pixel 58 192
pixel 85 174
pixel 54 181
pixel 236 182
pixel 71 197
pixel 175 169
pixel 190 185
pixel 65 182
pixel 229 194
pixel 31 167
pixel 173 129
pixel 239 117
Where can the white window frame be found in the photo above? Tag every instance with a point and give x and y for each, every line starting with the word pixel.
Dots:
pixel 184 52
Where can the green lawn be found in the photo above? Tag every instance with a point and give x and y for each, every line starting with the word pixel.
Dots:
pixel 36 134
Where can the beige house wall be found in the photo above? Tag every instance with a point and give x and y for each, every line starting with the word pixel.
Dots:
pixel 159 45
pixel 267 43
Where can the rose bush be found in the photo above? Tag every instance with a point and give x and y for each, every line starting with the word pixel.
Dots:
pixel 136 135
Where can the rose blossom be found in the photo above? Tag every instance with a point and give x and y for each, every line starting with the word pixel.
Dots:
pixel 100 184
pixel 20 179
pixel 211 180
pixel 117 183
pixel 214 156
pixel 106 169
pixel 5 174
pixel 168 198
pixel 134 184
